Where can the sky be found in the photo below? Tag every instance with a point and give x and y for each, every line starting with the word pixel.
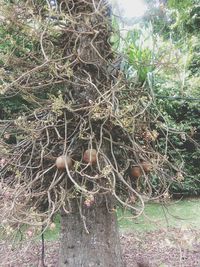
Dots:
pixel 131 8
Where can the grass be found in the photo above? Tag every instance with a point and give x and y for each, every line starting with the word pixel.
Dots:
pixel 184 213
pixel 180 214
pixel 53 234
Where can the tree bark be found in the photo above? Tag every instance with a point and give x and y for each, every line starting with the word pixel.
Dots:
pixel 90 237
pixel 100 246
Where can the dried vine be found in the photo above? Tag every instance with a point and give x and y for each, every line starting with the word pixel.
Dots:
pixel 78 99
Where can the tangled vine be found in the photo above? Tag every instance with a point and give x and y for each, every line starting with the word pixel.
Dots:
pixel 82 129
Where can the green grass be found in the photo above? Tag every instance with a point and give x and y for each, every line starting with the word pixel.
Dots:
pixel 184 213
pixel 53 234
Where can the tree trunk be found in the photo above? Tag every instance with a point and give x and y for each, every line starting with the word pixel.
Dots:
pixel 89 236
pixel 100 246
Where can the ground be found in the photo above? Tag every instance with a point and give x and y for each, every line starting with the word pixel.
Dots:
pixel 169 238
pixel 174 248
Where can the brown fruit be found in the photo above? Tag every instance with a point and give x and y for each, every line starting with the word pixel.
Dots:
pixel 136 172
pixel 60 162
pixel 147 167
pixel 90 156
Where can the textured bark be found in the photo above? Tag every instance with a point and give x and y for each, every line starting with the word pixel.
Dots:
pixel 100 247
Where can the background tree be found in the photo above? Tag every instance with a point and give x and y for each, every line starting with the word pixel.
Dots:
pixel 176 86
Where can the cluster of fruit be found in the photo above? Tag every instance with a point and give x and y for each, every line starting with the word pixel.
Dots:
pixel 89 157
pixel 144 167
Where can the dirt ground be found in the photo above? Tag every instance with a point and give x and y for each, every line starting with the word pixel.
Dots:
pixel 163 248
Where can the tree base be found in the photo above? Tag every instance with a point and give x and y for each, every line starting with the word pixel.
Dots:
pixel 92 243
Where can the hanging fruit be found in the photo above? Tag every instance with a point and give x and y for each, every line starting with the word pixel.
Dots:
pixel 62 160
pixel 90 156
pixel 136 172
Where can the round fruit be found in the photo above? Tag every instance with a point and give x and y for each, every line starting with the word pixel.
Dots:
pixel 60 162
pixel 90 156
pixel 147 167
pixel 136 172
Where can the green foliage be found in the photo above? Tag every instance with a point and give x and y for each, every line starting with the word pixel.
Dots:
pixel 183 114
pixel 185 17
pixel 139 54
pixel 16 42
pixel 12 107
pixel 173 61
